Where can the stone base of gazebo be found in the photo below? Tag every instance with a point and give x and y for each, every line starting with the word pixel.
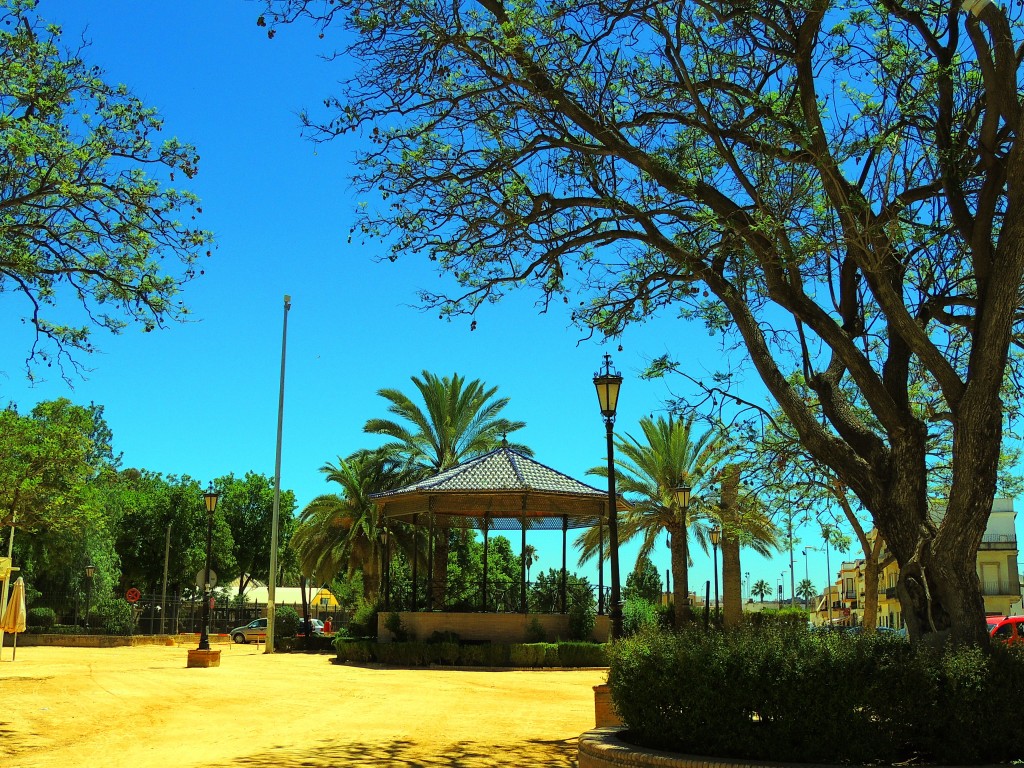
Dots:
pixel 493 627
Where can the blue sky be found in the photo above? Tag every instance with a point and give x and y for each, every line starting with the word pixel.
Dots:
pixel 201 398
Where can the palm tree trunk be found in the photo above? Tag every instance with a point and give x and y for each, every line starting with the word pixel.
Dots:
pixel 680 574
pixel 732 590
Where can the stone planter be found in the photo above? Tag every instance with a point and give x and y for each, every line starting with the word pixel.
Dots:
pixel 604 708
pixel 198 658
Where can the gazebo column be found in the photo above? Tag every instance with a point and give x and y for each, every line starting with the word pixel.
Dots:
pixel 386 567
pixel 430 563
pixel 487 526
pixel 415 554
pixel 522 564
pixel 600 566
pixel 565 534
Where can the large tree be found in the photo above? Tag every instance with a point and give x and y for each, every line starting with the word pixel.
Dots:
pixel 88 210
pixel 247 505
pixel 834 185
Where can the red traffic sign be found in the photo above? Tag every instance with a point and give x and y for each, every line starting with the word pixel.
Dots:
pixel 213 602
pixel 132 595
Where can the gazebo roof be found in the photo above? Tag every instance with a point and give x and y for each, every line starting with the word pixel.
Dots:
pixel 501 489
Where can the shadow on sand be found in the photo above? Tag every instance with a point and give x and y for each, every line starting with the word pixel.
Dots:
pixel 407 754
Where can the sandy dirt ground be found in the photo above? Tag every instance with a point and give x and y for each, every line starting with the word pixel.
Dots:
pixel 110 707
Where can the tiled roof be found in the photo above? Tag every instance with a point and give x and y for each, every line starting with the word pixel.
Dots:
pixel 503 485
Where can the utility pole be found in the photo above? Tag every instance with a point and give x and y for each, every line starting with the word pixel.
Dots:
pixel 272 581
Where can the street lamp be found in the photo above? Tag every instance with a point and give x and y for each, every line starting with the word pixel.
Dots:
pixel 90 571
pixel 607 384
pixel 716 536
pixel 782 583
pixel 210 497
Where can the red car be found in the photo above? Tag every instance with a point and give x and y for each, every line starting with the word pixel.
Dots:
pixel 1007 629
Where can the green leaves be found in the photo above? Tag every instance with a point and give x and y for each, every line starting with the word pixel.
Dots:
pixel 87 211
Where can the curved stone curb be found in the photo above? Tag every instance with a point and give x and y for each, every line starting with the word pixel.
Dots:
pixel 602 748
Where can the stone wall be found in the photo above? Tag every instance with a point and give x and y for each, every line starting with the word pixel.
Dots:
pixel 495 627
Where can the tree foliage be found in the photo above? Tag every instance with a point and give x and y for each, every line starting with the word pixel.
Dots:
pixel 247 505
pixel 88 213
pixel 833 186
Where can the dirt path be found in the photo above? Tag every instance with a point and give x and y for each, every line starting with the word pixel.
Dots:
pixel 103 708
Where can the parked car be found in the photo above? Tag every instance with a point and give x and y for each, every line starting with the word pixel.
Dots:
pixel 254 630
pixel 316 624
pixel 1006 629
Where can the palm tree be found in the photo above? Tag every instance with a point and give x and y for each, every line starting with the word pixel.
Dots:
pixel 744 522
pixel 457 421
pixel 531 558
pixel 761 589
pixel 648 471
pixel 805 590
pixel 344 531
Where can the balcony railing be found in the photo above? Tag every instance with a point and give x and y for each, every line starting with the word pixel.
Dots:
pixel 890 593
pixel 998 541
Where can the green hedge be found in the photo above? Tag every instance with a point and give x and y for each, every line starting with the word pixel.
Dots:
pixel 420 654
pixel 785 694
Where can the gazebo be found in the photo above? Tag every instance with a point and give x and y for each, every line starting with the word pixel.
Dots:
pixel 503 490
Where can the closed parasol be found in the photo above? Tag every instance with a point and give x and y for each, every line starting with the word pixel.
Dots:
pixel 13 620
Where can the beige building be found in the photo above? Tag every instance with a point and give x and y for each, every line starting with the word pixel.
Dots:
pixel 997 569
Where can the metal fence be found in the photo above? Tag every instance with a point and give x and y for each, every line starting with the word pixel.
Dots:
pixel 148 616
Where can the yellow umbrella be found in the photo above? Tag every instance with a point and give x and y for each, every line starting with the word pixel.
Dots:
pixel 13 620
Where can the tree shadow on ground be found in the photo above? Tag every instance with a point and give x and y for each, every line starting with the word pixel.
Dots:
pixel 409 754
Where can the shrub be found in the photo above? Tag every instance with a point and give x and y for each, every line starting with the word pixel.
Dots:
pixel 364 621
pixel 871 698
pixel 393 624
pixel 354 650
pixel 286 625
pixel 115 617
pixel 638 615
pixel 41 619
pixel 437 636
pixel 582 619
pixel 583 654
pixel 528 654
pixel 535 632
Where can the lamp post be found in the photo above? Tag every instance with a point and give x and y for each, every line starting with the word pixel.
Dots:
pixel 210 497
pixel 90 571
pixel 782 584
pixel 607 383
pixel 682 494
pixel 826 532
pixel 716 536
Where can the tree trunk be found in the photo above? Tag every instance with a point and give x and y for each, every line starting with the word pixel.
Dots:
pixel 869 620
pixel 732 589
pixel 680 574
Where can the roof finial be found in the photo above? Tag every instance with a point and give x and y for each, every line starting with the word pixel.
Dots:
pixel 504 439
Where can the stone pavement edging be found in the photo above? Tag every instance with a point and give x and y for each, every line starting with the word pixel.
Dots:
pixel 109 641
pixel 602 748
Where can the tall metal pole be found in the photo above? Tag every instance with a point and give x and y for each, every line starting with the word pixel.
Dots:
pixel 600 567
pixel 204 638
pixel 792 582
pixel 714 549
pixel 163 595
pixel 828 583
pixel 613 532
pixel 272 581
